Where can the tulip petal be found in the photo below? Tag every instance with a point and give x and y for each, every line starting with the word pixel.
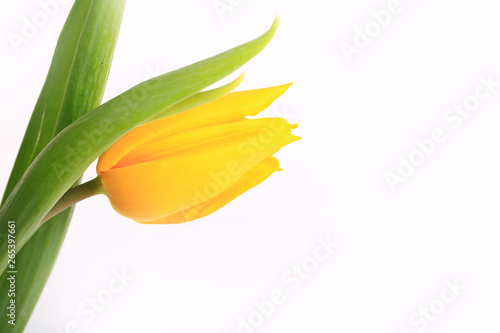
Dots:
pixel 252 178
pixel 264 130
pixel 230 107
pixel 159 185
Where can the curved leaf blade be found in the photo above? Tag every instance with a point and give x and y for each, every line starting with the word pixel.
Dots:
pixel 67 156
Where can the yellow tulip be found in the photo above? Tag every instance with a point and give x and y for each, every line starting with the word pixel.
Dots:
pixel 190 164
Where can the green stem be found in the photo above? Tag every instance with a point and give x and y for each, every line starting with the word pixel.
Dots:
pixel 74 195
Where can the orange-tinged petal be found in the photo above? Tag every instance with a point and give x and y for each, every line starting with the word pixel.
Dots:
pixel 252 178
pixel 231 107
pixel 160 185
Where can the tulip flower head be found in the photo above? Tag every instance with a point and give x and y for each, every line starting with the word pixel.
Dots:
pixel 190 164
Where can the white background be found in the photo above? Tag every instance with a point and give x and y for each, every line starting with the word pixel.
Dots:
pixel 397 248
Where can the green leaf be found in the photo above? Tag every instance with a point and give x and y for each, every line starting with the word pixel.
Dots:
pixel 74 85
pixel 200 98
pixel 68 155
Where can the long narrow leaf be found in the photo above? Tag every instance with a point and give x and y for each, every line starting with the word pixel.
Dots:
pixel 199 99
pixel 74 85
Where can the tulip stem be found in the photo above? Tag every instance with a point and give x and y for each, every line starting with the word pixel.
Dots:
pixel 74 195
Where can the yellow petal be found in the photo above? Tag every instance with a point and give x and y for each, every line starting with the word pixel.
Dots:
pixel 231 107
pixel 256 132
pixel 252 178
pixel 171 174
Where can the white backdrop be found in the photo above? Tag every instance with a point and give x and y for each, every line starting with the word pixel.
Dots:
pixel 385 218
